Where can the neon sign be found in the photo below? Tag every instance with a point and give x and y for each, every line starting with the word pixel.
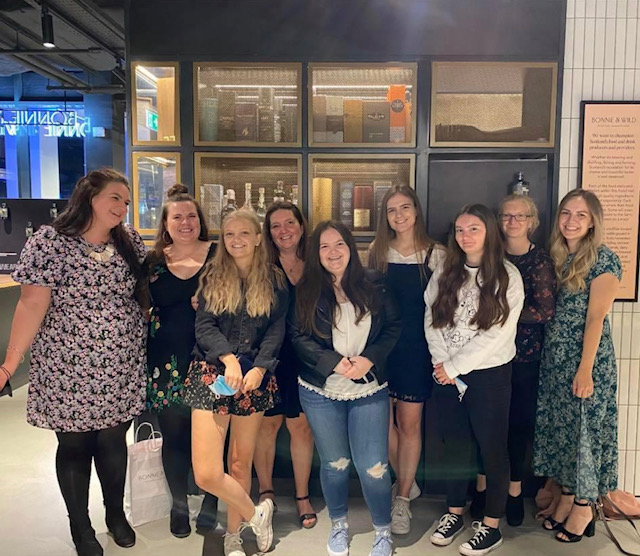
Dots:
pixel 49 123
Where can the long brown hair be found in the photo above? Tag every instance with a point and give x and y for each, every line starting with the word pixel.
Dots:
pixel 222 286
pixel 76 218
pixel 587 253
pixel 273 253
pixel 492 278
pixel 379 249
pixel 316 282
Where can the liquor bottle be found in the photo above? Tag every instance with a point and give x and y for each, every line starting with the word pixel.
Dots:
pixel 362 207
pixel 294 195
pixel 521 187
pixel 231 204
pixel 279 194
pixel 261 211
pixel 247 197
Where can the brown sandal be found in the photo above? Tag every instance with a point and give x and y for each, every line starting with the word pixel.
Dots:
pixel 306 517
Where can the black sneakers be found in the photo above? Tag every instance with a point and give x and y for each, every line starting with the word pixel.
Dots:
pixel 484 541
pixel 450 525
pixel 515 510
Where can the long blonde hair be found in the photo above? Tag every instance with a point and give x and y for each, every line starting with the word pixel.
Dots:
pixel 223 289
pixel 586 254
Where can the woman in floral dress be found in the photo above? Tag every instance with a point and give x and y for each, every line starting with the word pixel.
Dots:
pixel 174 266
pixel 86 330
pixel 576 423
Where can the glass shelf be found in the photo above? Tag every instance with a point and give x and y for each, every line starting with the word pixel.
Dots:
pixel 493 104
pixel 155 104
pixel 355 105
pixel 247 104
pixel 350 188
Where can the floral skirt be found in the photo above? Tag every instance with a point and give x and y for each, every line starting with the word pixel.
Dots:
pixel 198 395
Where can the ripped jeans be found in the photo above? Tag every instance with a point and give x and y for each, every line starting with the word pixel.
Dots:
pixel 355 430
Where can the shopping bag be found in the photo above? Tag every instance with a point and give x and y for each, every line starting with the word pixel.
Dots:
pixel 146 496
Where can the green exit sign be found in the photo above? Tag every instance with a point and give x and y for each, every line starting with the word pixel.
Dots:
pixel 152 120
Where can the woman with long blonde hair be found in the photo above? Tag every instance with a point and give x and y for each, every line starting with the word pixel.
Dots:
pixel 240 324
pixel 577 411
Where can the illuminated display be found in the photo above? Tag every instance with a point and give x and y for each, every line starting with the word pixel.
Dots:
pixel 50 123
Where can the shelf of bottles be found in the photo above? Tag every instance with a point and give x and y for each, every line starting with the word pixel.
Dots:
pixel 153 174
pixel 493 104
pixel 155 104
pixel 350 188
pixel 355 105
pixel 229 181
pixel 247 104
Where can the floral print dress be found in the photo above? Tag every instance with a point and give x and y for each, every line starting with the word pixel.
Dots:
pixel 576 440
pixel 87 359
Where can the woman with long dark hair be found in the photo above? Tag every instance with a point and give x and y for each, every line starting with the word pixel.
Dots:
pixel 576 423
pixel 240 325
pixel 343 327
pixel 78 312
pixel 285 241
pixel 174 266
pixel 473 304
pixel 407 256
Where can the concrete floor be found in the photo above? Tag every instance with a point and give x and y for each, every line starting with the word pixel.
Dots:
pixel 33 518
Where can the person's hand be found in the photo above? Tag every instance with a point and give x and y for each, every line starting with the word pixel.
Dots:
pixel 360 366
pixel 583 384
pixel 232 371
pixel 441 375
pixel 343 366
pixel 252 379
pixel 194 302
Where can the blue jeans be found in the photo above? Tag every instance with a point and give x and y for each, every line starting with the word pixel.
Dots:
pixel 355 430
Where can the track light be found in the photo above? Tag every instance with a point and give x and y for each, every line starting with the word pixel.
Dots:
pixel 47 28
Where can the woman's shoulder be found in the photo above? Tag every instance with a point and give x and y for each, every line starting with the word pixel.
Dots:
pixel 607 262
pixel 373 276
pixel 512 270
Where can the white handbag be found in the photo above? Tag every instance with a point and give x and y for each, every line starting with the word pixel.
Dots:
pixel 146 495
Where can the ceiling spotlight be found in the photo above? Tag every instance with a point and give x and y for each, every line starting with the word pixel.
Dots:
pixel 47 28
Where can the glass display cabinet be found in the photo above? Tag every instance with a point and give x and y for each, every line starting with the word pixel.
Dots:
pixel 350 187
pixel 362 105
pixel 153 174
pixel 230 181
pixel 493 104
pixel 247 104
pixel 155 104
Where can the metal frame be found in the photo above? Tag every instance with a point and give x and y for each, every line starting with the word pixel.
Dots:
pixel 311 66
pixel 134 108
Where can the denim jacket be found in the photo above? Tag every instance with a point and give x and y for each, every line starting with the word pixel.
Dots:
pixel 258 338
pixel 316 353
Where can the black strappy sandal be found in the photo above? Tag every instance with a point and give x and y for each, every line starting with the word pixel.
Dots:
pixel 556 525
pixel 589 530
pixel 261 494
pixel 306 517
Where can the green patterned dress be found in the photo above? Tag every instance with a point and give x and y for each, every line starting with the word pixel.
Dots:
pixel 576 440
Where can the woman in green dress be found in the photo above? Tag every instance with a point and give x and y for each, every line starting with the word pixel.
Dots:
pixel 576 422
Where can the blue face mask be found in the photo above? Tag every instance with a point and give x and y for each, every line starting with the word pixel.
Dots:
pixel 221 388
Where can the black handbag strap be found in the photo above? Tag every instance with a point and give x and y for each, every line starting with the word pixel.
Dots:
pixel 600 509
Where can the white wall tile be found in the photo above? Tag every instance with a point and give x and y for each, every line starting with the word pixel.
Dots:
pixel 611 8
pixel 621 25
pixel 598 48
pixel 580 8
pixel 563 182
pixel 636 86
pixel 601 9
pixel 587 84
pixel 621 467
pixel 616 332
pixel 565 144
pixel 622 9
pixel 635 335
pixel 589 42
pixel 618 84
pixel 629 471
pixel 634 387
pixel 636 478
pixel 637 56
pixel 576 93
pixel 630 48
pixel 627 307
pixel 632 426
pixel 598 77
pixel 629 83
pixel 632 9
pixel 590 9
pixel 571 8
pixel 568 44
pixel 623 385
pixel 567 88
pixel 610 43
pixel 622 427
pixel 573 179
pixel 574 142
pixel 625 341
pixel 578 43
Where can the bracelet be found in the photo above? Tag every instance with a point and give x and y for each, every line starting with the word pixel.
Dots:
pixel 14 348
pixel 6 372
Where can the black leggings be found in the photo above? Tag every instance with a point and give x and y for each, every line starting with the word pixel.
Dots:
pixel 108 449
pixel 175 425
pixel 482 414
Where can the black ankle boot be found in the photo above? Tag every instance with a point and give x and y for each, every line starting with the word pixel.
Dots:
pixel 85 541
pixel 119 528
pixel 515 510
pixel 179 523
pixel 477 505
pixel 208 516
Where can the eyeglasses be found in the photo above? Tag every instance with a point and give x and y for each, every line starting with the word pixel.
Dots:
pixel 516 217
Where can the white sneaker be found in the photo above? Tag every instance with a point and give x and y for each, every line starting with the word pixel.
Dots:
pixel 414 491
pixel 401 516
pixel 233 545
pixel 261 524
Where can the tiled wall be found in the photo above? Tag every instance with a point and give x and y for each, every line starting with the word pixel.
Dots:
pixel 602 62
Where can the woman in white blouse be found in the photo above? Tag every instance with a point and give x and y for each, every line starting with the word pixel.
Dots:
pixel 473 302
pixel 343 326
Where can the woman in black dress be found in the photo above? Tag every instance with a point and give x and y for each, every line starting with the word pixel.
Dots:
pixel 285 239
pixel 407 256
pixel 174 267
